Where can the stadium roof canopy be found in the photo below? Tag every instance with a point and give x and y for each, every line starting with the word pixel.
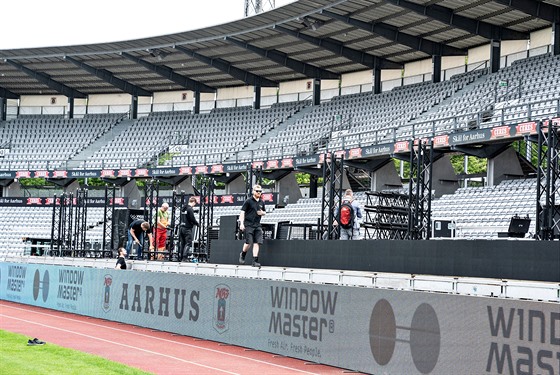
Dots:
pixel 306 39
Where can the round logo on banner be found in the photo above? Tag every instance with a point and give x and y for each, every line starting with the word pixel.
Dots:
pixel 425 335
pixel 39 285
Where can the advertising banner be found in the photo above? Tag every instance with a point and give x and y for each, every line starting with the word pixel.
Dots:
pixel 378 331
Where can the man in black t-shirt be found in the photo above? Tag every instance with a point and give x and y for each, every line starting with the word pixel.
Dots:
pixel 136 232
pixel 188 222
pixel 250 222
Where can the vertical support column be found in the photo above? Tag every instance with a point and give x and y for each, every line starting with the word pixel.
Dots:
pixel 420 191
pixel 556 42
pixel 495 50
pixel 333 171
pixel 151 197
pixel 548 174
pixel 376 79
pixel 316 91
pixel 134 107
pixel 80 226
pixel 177 204
pixel 206 218
pixel 55 225
pixel 3 108
pixel 108 215
pixel 257 101
pixel 313 186
pixel 70 107
pixel 196 99
pixel 436 68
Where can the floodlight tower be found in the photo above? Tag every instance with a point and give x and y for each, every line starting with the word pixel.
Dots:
pixel 253 7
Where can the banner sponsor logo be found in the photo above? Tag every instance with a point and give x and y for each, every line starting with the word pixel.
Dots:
pixel 41 174
pixel 520 338
pixel 23 174
pixel 500 132
pixel 217 168
pixel 60 174
pixel 424 333
pixel 220 318
pixel 235 167
pixel 287 163
pixel 124 173
pixel 227 199
pixel 70 285
pixel 34 201
pixel 108 173
pixel 355 153
pixel 160 300
pixel 7 174
pixel 526 128
pixel 16 279
pixel 41 286
pixel 402 146
pixel 185 170
pixel 441 141
pixel 272 164
pixel 108 281
pixel 117 201
pixel 303 314
pixel 201 169
pixel 377 150
pixel 257 164
pixel 141 173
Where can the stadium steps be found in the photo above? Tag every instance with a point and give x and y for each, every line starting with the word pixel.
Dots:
pixel 359 180
pixel 279 128
pixel 465 91
pixel 116 130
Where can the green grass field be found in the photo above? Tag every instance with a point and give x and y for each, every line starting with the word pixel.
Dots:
pixel 17 358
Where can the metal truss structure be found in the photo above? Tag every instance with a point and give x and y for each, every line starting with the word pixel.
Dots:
pixel 61 229
pixel 387 215
pixel 333 173
pixel 80 226
pixel 178 203
pixel 254 177
pixel 110 240
pixel 254 7
pixel 420 190
pixel 151 197
pixel 548 180
pixel 206 218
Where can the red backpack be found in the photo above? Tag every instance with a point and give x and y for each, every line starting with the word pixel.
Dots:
pixel 346 215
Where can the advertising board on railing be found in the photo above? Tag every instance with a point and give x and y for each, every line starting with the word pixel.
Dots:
pixel 474 136
pixel 372 330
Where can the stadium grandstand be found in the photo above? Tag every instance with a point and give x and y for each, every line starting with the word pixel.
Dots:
pixel 394 99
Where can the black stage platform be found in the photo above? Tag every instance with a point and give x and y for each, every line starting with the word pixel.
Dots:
pixel 502 259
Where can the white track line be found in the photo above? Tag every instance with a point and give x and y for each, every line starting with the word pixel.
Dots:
pixel 117 343
pixel 157 338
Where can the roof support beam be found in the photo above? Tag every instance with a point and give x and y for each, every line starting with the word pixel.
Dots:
pixel 538 9
pixel 109 77
pixel 283 59
pixel 447 16
pixel 392 33
pixel 48 81
pixel 168 73
pixel 336 47
pixel 7 94
pixel 227 67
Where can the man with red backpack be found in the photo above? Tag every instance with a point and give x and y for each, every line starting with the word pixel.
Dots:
pixel 347 216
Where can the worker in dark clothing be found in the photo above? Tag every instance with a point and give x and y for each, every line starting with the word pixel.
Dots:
pixel 188 222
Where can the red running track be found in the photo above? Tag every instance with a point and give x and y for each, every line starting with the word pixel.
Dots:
pixel 152 351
